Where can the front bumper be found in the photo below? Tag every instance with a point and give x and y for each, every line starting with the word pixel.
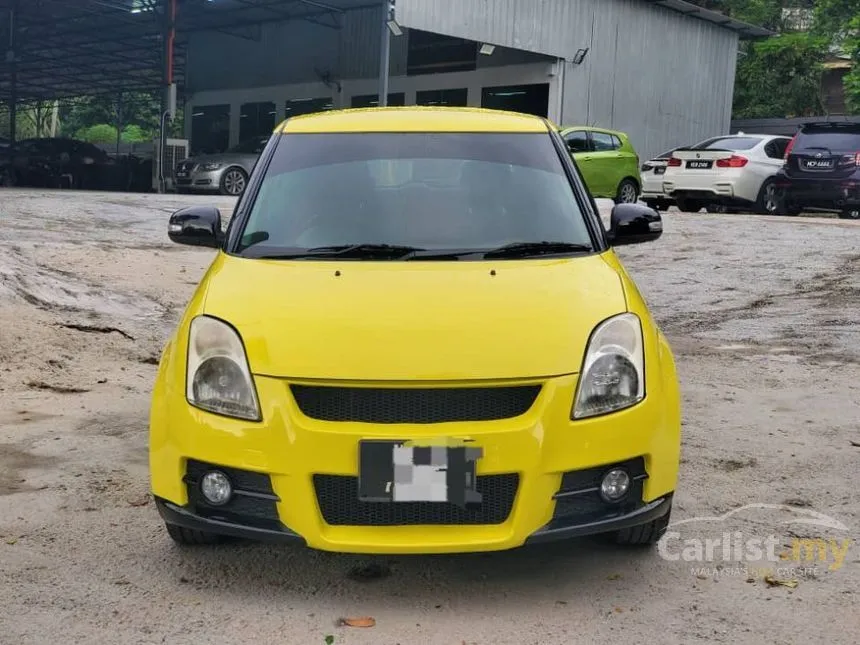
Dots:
pixel 200 180
pixel 310 466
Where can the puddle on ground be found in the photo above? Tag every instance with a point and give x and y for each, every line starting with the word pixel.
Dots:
pixel 59 291
pixel 13 464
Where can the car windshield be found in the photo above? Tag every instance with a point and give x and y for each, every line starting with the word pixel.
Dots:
pixel 250 146
pixel 430 191
pixel 833 139
pixel 728 143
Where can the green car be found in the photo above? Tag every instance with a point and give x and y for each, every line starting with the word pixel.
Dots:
pixel 607 161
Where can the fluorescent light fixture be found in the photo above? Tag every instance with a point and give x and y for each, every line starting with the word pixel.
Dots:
pixel 394 28
pixel 579 56
pixel 487 49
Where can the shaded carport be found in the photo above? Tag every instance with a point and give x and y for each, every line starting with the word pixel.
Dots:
pixel 57 49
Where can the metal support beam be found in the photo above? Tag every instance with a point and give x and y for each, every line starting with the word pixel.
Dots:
pixel 12 59
pixel 385 52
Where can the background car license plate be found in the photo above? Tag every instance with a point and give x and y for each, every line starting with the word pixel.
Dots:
pixel 818 164
pixel 400 471
pixel 699 165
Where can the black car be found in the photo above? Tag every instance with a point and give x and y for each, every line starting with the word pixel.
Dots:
pixel 822 170
pixel 60 163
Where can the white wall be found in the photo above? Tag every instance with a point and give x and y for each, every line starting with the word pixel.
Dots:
pixel 474 81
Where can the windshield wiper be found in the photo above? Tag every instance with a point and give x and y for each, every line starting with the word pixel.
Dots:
pixel 526 249
pixel 388 251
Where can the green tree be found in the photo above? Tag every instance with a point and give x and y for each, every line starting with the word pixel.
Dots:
pixel 780 77
pixel 100 133
pixel 839 22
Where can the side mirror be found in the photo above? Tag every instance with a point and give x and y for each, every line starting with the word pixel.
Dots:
pixel 196 226
pixel 634 224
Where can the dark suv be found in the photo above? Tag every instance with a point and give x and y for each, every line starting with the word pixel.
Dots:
pixel 822 170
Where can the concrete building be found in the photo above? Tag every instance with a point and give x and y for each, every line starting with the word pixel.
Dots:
pixel 663 71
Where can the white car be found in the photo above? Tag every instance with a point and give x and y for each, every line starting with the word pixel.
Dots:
pixel 652 172
pixel 730 172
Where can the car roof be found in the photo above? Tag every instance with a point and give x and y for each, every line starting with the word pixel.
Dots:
pixel 591 128
pixel 413 119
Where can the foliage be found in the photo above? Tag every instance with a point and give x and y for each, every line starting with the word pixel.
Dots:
pixel 106 133
pixel 101 133
pixel 839 20
pixel 780 76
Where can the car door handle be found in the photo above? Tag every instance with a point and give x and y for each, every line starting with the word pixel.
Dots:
pixel 586 158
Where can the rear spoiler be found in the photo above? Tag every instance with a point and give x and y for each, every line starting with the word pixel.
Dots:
pixel 830 124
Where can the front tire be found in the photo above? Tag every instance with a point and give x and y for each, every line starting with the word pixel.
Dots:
pixel 628 192
pixel 644 534
pixel 850 213
pixel 233 182
pixel 191 537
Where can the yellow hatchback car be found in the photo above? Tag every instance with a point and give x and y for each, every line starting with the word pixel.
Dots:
pixel 415 338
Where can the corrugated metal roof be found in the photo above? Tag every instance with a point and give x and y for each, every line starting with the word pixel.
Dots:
pixel 745 29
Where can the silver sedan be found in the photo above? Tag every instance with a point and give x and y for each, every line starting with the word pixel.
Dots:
pixel 226 173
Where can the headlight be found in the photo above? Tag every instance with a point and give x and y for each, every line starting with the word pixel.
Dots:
pixel 218 378
pixel 210 166
pixel 613 373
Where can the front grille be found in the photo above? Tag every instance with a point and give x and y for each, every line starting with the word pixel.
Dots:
pixel 337 496
pixel 414 405
pixel 254 502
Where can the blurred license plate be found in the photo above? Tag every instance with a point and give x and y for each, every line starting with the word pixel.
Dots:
pixel 699 165
pixel 397 471
pixel 181 174
pixel 818 164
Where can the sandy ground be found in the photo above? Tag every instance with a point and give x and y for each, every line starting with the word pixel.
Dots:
pixel 762 315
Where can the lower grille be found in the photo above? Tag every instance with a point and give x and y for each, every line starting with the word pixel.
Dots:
pixel 254 503
pixel 414 405
pixel 337 496
pixel 578 499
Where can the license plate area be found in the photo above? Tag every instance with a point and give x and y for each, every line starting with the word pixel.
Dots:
pixel 699 165
pixel 817 164
pixel 407 471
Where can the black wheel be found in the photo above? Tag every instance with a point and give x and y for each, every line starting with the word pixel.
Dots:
pixel 233 182
pixel 850 213
pixel 191 537
pixel 689 205
pixel 644 534
pixel 628 192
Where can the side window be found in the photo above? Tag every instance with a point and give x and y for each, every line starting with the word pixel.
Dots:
pixel 776 148
pixel 577 141
pixel 602 142
pixel 616 142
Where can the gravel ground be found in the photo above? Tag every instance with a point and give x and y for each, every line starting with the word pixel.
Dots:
pixel 761 313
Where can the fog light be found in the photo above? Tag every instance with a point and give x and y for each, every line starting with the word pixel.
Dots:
pixel 615 485
pixel 216 488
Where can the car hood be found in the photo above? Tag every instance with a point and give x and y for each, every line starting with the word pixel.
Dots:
pixel 414 320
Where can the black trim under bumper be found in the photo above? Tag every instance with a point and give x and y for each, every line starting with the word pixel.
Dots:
pixel 175 514
pixel 647 513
